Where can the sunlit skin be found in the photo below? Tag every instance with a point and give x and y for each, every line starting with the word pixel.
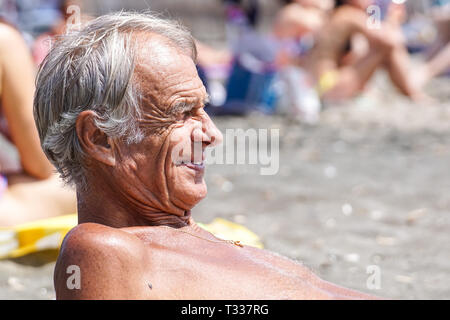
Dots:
pixel 360 4
pixel 136 238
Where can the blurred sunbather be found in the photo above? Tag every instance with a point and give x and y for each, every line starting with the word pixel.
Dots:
pixel 341 72
pixel 295 27
pixel 28 188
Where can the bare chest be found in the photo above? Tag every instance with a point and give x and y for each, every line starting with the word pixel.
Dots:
pixel 183 268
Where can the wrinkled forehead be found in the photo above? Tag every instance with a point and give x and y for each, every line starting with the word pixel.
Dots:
pixel 165 75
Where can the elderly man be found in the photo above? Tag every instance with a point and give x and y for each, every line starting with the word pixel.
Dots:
pixel 119 110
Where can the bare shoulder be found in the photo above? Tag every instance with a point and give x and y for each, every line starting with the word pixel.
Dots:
pixel 8 36
pixel 94 236
pixel 100 262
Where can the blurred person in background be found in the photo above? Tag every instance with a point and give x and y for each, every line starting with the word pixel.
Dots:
pixel 439 54
pixel 296 27
pixel 28 188
pixel 342 71
pixel 250 68
pixel 296 24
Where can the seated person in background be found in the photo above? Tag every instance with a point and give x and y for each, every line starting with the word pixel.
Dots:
pixel 340 73
pixel 125 123
pixel 28 188
pixel 295 27
pixel 439 56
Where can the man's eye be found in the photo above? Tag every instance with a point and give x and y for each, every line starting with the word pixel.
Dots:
pixel 193 113
pixel 187 114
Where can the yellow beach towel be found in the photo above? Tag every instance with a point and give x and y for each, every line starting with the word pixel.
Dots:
pixel 48 234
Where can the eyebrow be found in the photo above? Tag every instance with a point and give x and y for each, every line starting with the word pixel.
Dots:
pixel 184 106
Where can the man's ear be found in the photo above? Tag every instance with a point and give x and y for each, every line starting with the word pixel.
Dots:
pixel 93 140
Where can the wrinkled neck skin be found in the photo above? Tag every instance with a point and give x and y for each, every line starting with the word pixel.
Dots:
pixel 119 213
pixel 119 197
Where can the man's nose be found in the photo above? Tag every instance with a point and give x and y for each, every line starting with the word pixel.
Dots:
pixel 208 133
pixel 215 137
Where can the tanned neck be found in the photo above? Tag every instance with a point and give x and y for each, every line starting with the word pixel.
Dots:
pixel 100 207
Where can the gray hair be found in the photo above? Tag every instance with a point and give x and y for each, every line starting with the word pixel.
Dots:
pixel 92 69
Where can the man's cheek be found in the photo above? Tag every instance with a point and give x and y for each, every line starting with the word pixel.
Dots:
pixel 180 145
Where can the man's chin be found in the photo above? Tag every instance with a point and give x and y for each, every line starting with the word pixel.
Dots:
pixel 194 194
pixel 200 191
